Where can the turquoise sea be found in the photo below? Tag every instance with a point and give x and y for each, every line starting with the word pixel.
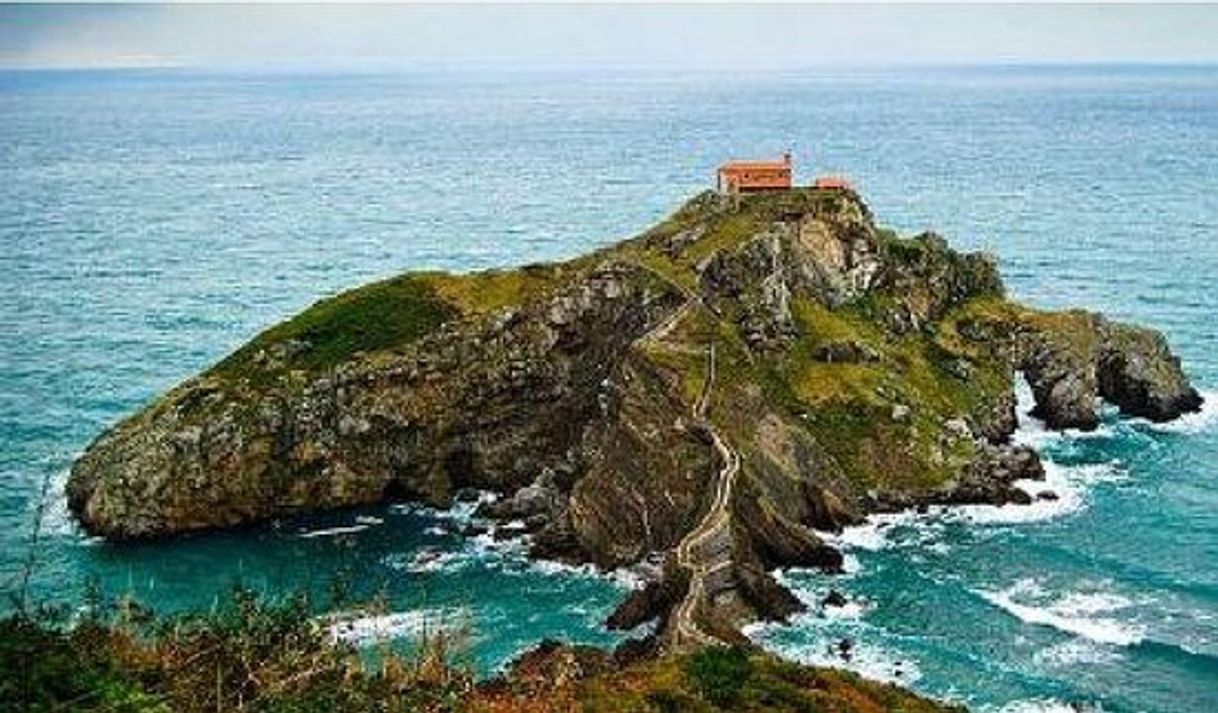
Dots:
pixel 151 221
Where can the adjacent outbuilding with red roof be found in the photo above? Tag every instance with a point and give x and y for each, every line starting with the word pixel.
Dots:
pixel 832 183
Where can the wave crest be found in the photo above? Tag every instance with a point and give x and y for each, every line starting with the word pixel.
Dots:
pixel 1083 614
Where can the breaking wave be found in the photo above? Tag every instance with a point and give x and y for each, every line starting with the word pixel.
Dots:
pixel 1076 651
pixel 1089 615
pixel 863 657
pixel 1063 491
pixel 56 517
pixel 1047 705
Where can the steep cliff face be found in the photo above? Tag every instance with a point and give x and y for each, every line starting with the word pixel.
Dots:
pixel 484 400
pixel 707 395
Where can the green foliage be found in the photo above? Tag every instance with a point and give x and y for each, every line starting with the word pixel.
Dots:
pixel 719 674
pixel 379 316
pixel 490 290
pixel 249 653
pixel 743 680
pixel 725 233
pixel 848 406
pixel 50 669
pixel 666 701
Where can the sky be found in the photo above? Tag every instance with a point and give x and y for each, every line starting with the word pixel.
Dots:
pixel 750 36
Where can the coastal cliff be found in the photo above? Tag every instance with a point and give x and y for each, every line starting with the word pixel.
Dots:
pixel 705 396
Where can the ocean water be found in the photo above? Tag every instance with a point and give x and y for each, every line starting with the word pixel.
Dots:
pixel 151 221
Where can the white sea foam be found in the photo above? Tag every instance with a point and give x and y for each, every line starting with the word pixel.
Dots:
pixel 879 531
pixel 623 577
pixel 852 609
pixel 431 560
pixel 1077 651
pixel 807 595
pixel 1082 603
pixel 939 548
pixel 1089 615
pixel 1033 432
pixel 516 544
pixel 382 627
pixel 850 564
pixel 1050 705
pixel 508 554
pixel 550 567
pixel 333 531
pixel 812 595
pixel 866 659
pixel 460 512
pixel 483 548
pixel 1069 483
pixel 813 637
pixel 872 534
pixel 56 518
pixel 362 522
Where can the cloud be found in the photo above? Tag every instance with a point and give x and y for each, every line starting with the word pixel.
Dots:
pixel 561 36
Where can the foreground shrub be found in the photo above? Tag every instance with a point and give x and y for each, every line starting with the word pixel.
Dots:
pixel 249 654
pixel 719 674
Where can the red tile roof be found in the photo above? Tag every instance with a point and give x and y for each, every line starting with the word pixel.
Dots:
pixel 753 165
pixel 836 182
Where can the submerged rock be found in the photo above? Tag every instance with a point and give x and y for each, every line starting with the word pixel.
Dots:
pixel 713 394
pixel 834 599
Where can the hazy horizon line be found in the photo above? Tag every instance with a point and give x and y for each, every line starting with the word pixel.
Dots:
pixel 364 67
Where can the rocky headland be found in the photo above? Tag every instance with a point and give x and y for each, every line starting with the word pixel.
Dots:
pixel 705 397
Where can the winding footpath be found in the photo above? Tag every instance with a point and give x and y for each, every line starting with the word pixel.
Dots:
pixel 715 525
pixel 695 552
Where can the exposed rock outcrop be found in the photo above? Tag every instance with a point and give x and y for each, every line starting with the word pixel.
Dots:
pixel 1137 371
pixel 1073 359
pixel 709 395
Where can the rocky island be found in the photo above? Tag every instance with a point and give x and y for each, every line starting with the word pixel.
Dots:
pixel 706 397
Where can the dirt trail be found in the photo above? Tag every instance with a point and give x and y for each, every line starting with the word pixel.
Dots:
pixel 691 551
pixel 661 330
